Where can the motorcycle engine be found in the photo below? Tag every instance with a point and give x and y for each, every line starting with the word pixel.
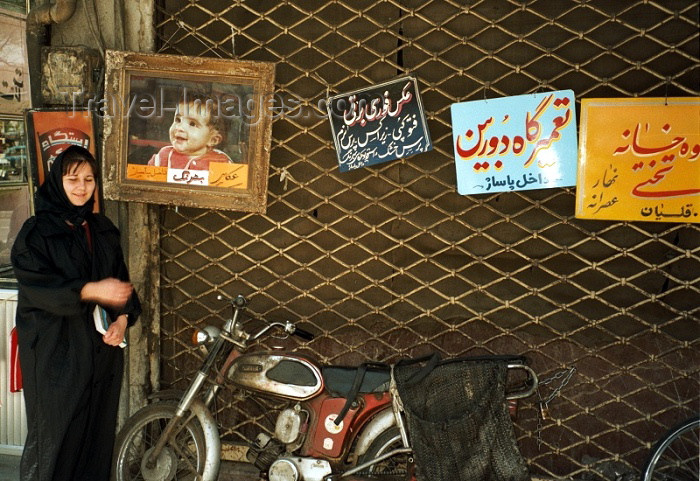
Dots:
pixel 283 470
pixel 288 426
pixel 298 469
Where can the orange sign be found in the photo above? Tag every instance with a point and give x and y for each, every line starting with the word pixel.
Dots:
pixel 146 172
pixel 639 159
pixel 234 176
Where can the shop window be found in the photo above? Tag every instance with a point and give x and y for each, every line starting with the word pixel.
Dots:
pixel 15 198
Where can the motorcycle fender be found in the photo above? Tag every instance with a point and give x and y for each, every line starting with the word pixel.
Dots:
pixel 379 423
pixel 212 442
pixel 166 395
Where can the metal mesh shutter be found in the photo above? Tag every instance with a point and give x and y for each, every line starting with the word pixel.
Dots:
pixel 390 261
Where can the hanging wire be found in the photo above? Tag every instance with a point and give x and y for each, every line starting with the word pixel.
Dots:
pixel 285 176
pixel 487 86
pixel 183 26
pixel 167 42
pixel 119 24
pixel 94 26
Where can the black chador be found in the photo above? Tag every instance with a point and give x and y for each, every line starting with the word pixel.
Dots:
pixel 72 379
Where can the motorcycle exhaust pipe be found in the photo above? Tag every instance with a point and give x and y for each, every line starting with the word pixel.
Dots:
pixel 354 477
pixel 357 477
pixel 351 475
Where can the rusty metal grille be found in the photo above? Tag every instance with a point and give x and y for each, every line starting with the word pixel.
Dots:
pixel 390 261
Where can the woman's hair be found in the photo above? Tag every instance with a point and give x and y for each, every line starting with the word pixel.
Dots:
pixel 75 157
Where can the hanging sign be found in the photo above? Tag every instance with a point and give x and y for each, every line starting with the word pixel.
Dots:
pixel 53 131
pixel 378 124
pixel 515 143
pixel 640 160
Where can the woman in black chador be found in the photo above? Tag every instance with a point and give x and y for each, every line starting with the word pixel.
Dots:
pixel 68 259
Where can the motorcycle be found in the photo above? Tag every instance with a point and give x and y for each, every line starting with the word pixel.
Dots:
pixel 339 423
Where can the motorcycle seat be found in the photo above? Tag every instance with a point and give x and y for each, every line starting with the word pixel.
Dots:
pixel 339 380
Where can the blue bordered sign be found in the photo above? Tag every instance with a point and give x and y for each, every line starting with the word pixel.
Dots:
pixel 515 143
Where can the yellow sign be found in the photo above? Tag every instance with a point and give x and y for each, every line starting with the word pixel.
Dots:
pixel 639 159
pixel 222 174
pixel 146 172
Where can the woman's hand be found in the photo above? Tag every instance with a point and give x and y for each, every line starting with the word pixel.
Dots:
pixel 107 292
pixel 116 331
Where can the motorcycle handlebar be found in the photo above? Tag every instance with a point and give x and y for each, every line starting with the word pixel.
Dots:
pixel 238 301
pixel 306 335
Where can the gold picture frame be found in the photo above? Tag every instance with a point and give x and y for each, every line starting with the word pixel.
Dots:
pixel 149 156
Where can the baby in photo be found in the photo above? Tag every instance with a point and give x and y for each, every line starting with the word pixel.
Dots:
pixel 194 134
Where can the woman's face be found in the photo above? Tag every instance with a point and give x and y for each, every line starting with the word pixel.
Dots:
pixel 79 184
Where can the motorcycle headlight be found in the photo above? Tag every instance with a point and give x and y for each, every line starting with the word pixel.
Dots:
pixel 205 336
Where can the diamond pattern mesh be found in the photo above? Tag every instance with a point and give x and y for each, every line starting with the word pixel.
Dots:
pixel 390 261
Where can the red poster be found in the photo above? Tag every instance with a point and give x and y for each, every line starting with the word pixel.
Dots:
pixel 52 131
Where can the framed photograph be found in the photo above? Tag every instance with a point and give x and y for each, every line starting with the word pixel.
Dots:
pixel 14 68
pixel 187 131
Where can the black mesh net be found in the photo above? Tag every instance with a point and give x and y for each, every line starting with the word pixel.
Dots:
pixel 458 421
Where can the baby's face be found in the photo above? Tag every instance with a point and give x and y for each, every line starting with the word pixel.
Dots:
pixel 191 133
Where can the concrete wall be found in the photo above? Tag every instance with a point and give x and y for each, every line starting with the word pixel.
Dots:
pixel 106 24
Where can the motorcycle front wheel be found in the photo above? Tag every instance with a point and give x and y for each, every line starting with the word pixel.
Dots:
pixel 182 458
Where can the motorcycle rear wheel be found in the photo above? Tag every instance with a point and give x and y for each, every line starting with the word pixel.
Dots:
pixel 398 468
pixel 675 457
pixel 181 460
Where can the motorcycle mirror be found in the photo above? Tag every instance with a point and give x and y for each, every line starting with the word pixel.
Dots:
pixel 240 301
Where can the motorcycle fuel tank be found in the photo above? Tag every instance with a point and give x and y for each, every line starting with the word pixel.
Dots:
pixel 284 375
